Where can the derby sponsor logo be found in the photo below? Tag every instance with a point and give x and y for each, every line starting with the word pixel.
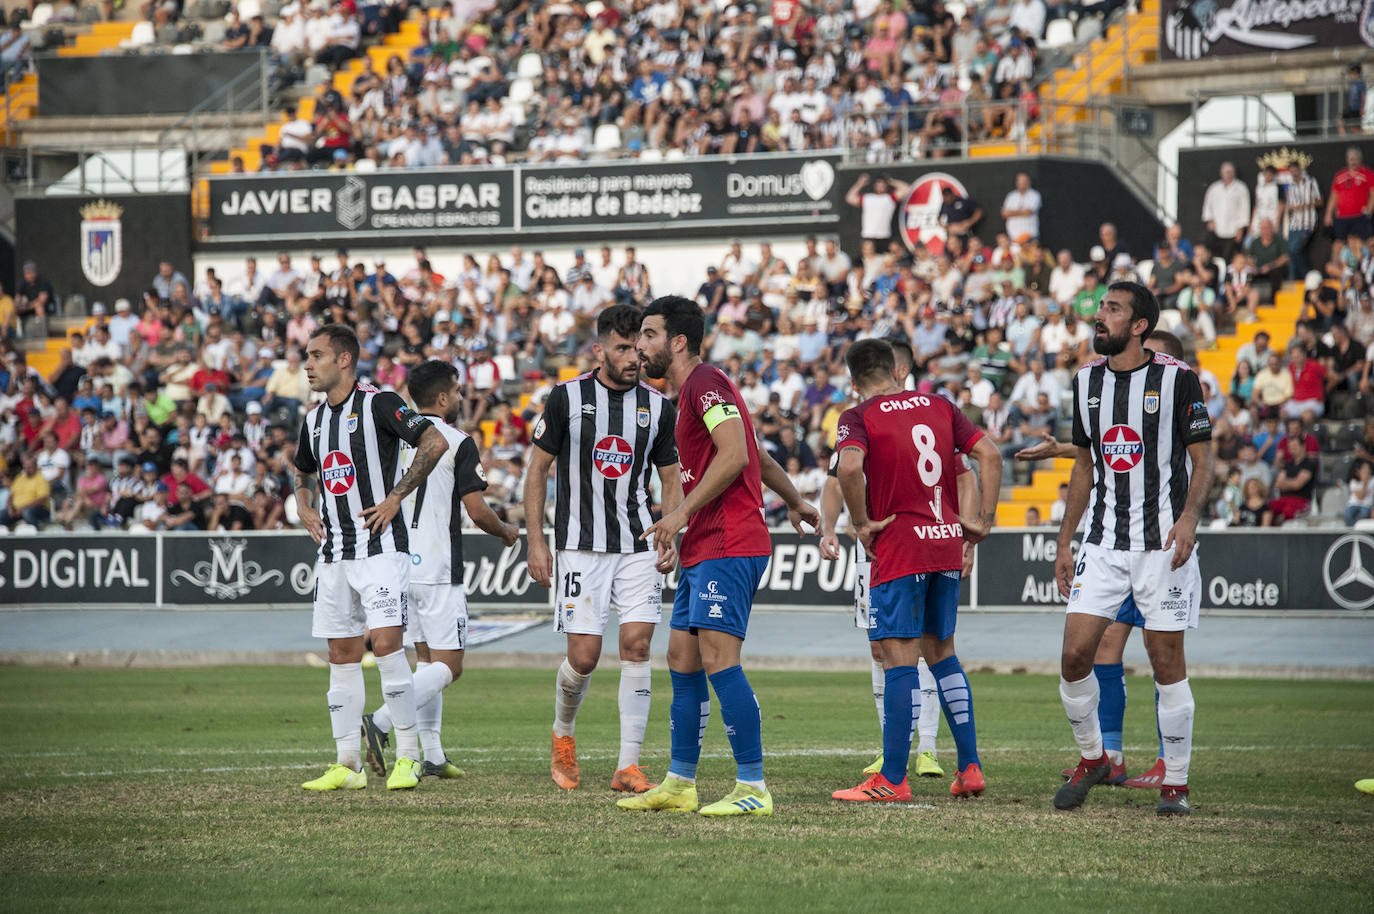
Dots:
pixel 919 216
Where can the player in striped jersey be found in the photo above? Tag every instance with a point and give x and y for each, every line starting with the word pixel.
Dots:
pixel 605 432
pixel 439 608
pixel 362 578
pixel 1107 663
pixel 1142 470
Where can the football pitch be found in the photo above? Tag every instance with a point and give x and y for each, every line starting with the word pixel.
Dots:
pixel 155 790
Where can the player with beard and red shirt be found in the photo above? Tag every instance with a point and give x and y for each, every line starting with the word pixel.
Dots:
pixel 723 556
pixel 906 446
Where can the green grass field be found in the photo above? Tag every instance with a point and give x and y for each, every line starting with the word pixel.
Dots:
pixel 178 790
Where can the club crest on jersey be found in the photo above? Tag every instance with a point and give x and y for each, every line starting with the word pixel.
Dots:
pixel 1152 401
pixel 642 417
pixel 352 424
pixel 337 473
pixel 1122 449
pixel 612 456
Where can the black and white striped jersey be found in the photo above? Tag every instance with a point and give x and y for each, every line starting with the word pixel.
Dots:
pixel 352 448
pixel 607 443
pixel 1138 425
pixel 434 511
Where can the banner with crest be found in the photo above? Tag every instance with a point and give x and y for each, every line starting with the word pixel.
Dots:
pixel 1201 29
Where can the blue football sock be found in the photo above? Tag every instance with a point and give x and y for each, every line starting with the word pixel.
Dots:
pixel 901 705
pixel 739 710
pixel 687 717
pixel 1158 732
pixel 1111 706
pixel 957 701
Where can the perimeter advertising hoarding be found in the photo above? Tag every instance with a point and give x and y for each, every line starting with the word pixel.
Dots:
pixel 1241 570
pixel 701 195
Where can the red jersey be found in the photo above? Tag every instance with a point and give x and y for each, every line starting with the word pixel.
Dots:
pixel 731 525
pixel 911 444
pixel 1351 189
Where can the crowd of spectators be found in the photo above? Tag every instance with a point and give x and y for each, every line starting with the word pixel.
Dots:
pixel 497 81
pixel 180 410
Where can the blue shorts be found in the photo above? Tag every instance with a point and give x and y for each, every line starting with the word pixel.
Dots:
pixel 1130 613
pixel 915 605
pixel 718 594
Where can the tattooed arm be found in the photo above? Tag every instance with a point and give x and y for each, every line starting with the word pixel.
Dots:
pixel 431 448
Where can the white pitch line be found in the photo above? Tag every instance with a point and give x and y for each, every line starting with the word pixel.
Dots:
pixel 462 755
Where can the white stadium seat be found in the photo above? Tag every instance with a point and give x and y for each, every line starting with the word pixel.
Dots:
pixel 607 138
pixel 1058 34
pixel 529 66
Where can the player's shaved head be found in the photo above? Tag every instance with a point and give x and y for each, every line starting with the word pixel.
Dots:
pixel 870 362
pixel 1165 342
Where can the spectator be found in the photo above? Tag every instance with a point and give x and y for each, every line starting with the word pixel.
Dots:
pixel 1309 386
pixel 166 278
pixel 1273 385
pixel 1294 484
pixel 35 296
pixel 30 495
pixel 1302 199
pixel 877 206
pixel 1226 212
pixel 1353 101
pixel 1021 208
pixel 1269 257
pixel 1360 499
pixel 958 214
pixel 1254 510
pixel 1351 200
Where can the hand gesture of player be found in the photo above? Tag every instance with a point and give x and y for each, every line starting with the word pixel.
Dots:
pixel 539 561
pixel 870 529
pixel 968 560
pixel 310 519
pixel 1063 572
pixel 804 512
pixel 1183 537
pixel 666 529
pixel 381 514
pixel 830 547
pixel 1047 448
pixel 667 554
pixel 976 528
pixel 510 535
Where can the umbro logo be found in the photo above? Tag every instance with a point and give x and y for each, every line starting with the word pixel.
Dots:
pixel 588 409
pixel 1093 401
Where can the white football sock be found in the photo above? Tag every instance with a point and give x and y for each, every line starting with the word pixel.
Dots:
pixel 429 720
pixel 929 719
pixel 636 693
pixel 345 697
pixel 398 688
pixel 1176 727
pixel 567 698
pixel 1080 703
pixel 879 690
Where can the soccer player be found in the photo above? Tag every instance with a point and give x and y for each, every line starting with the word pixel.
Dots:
pixel 1142 470
pixel 903 448
pixel 439 607
pixel 832 504
pixel 362 577
pixel 1107 663
pixel 723 556
pixel 606 432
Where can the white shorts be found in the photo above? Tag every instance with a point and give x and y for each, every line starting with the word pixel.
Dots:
pixel 1168 600
pixel 862 569
pixel 358 594
pixel 438 616
pixel 588 584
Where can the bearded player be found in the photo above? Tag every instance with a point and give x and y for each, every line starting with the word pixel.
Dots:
pixel 723 555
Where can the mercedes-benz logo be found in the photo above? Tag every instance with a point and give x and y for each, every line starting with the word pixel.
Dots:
pixel 1348 571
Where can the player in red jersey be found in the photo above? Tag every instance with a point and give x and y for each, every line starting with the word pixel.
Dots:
pixel 723 556
pixel 906 446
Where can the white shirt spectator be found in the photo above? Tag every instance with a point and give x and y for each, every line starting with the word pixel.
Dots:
pixel 1227 206
pixel 1019 227
pixel 588 300
pixel 235 485
pixel 737 270
pixel 216 354
pixel 94 349
pixel 53 465
pixel 121 329
pixel 568 146
pixel 875 215
pixel 790 389
pixel 980 392
pixel 317 31
pixel 247 289
pixel 296 134
pixel 555 324
pixel 1066 284
pixel 1014 67
pixel 1028 387
pixel 289 36
pixel 1029 17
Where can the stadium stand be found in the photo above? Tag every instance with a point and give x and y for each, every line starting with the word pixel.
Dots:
pixel 207 366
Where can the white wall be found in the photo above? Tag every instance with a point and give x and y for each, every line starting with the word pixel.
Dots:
pixel 675 267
